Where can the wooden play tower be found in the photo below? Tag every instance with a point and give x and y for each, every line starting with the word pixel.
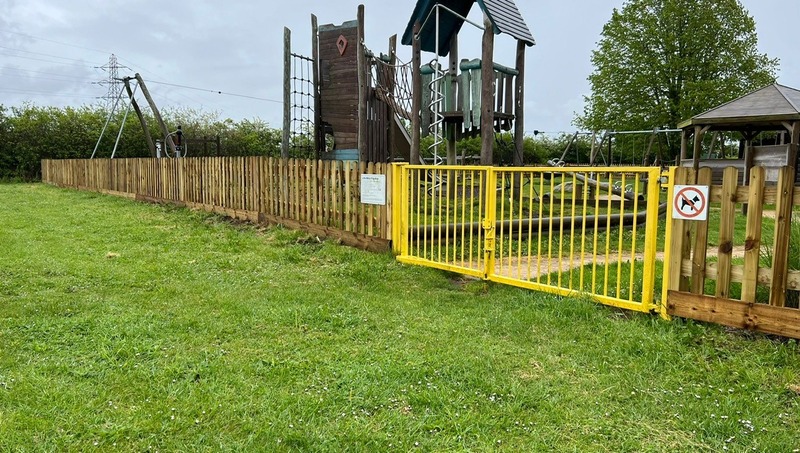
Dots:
pixel 355 105
pixel 486 97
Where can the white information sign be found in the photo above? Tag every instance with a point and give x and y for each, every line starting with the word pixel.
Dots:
pixel 373 189
pixel 690 203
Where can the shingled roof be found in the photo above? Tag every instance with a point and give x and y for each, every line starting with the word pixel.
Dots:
pixel 503 14
pixel 764 108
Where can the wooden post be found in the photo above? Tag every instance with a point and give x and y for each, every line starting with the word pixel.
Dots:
pixel 519 108
pixel 726 227
pixel 753 228
pixel 149 138
pixel 416 95
pixel 363 88
pixel 390 87
pixel 451 103
pixel 685 134
pixel 156 114
pixel 680 245
pixel 698 279
pixel 287 91
pixel 487 93
pixel 780 244
pixel 748 155
pixel 699 133
pixel 319 132
pixel 794 143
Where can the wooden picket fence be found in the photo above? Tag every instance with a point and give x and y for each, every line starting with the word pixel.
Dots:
pixel 749 291
pixel 321 197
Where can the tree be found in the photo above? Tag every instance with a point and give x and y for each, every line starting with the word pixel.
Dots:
pixel 659 62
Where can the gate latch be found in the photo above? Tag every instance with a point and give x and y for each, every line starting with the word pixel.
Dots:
pixel 488 227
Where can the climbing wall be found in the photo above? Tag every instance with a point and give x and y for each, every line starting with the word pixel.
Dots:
pixel 338 87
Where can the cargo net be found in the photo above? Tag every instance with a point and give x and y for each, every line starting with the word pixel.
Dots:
pixel 393 84
pixel 301 143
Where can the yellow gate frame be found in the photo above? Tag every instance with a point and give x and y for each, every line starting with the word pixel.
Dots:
pixel 435 225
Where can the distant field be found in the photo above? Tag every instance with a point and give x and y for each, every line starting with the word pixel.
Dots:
pixel 134 327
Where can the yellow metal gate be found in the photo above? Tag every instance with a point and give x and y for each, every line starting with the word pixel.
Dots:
pixel 563 230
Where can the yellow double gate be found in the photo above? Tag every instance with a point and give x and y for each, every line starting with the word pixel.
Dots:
pixel 566 230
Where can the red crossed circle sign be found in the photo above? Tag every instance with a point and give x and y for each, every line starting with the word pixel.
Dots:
pixel 690 202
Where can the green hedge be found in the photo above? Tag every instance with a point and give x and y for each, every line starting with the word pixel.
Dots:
pixel 31 133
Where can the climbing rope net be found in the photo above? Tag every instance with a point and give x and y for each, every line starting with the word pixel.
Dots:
pixel 393 84
pixel 301 142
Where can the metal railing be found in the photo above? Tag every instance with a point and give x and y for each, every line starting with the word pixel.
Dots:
pixel 565 231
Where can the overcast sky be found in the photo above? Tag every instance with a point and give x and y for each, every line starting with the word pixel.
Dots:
pixel 51 50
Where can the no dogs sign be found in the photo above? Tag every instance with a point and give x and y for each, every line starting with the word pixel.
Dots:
pixel 690 203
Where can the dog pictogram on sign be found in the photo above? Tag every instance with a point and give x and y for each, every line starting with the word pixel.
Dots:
pixel 690 203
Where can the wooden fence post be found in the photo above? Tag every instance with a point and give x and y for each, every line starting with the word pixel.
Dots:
pixel 780 245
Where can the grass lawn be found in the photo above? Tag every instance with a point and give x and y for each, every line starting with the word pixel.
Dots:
pixel 134 327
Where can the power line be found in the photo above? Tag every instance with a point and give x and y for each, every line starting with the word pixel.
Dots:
pixel 25 76
pixel 154 74
pixel 124 59
pixel 217 92
pixel 47 61
pixel 48 93
pixel 109 67
pixel 41 54
pixel 25 70
pixel 53 41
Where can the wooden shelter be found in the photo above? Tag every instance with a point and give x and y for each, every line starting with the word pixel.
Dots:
pixel 495 96
pixel 774 108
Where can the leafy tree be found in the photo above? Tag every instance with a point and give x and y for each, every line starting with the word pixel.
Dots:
pixel 659 62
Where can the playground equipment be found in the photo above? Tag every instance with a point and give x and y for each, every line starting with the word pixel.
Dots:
pixel 155 150
pixel 363 104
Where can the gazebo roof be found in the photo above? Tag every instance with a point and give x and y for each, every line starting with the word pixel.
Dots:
pixel 503 14
pixel 763 109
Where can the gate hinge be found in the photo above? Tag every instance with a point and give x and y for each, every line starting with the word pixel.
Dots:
pixel 488 243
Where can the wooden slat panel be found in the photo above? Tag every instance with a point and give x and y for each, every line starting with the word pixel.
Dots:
pixel 271 187
pixel 362 212
pixel 708 309
pixel 734 313
pixel 348 224
pixel 328 188
pixel 679 242
pixel 737 273
pixel 780 245
pixel 337 199
pixel 752 248
pixel 730 180
pixel 770 195
pixel 698 279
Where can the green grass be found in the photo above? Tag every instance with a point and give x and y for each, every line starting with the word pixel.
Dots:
pixel 130 327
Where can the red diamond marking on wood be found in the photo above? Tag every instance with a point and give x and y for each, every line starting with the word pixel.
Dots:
pixel 341 43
